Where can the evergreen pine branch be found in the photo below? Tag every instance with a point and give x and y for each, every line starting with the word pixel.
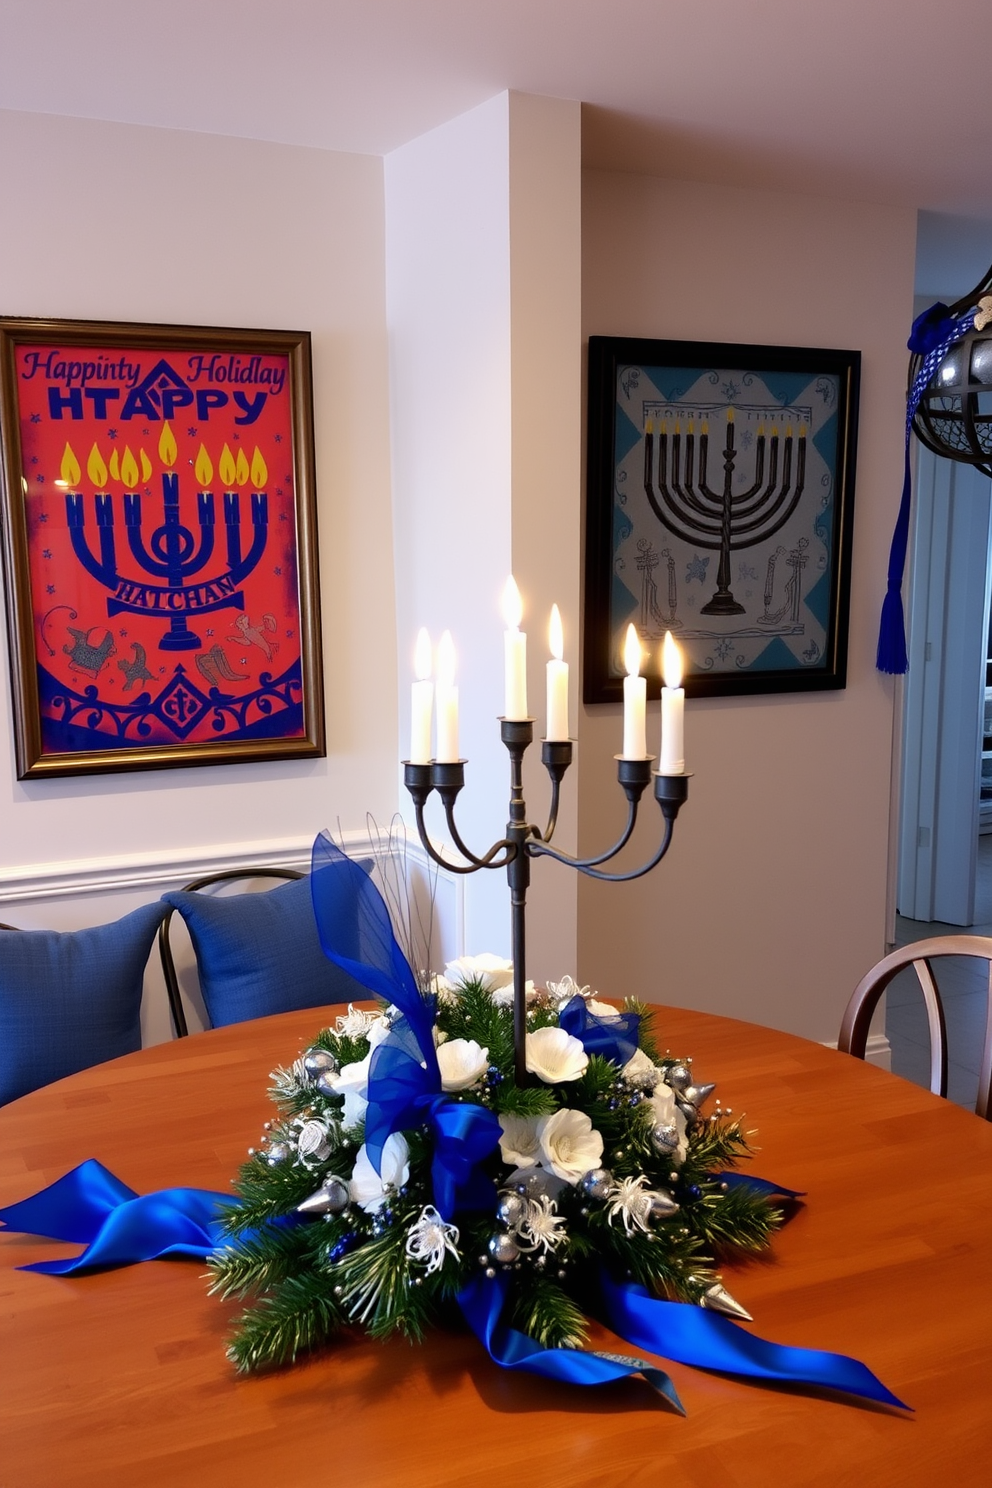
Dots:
pixel 377 1285
pixel 646 1032
pixel 545 1312
pixel 532 1100
pixel 266 1193
pixel 260 1261
pixel 735 1220
pixel 298 1315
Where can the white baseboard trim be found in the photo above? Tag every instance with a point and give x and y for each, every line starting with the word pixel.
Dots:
pixel 130 871
pixel 877 1051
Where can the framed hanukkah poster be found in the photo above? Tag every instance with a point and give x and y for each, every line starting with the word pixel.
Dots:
pixel 159 545
pixel 720 506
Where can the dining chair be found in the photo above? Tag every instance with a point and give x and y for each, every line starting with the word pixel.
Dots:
pixel 920 956
pixel 256 953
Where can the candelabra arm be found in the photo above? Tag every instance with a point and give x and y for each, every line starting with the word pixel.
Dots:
pixel 671 792
pixel 556 756
pixel 447 779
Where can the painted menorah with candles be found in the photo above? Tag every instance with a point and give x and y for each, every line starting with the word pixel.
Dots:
pixel 677 484
pixel 173 553
pixel 444 772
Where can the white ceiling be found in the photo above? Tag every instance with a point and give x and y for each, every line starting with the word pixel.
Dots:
pixel 889 100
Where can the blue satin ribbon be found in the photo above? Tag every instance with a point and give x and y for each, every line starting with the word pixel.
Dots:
pixel 118 1227
pixel 482 1303
pixel 704 1339
pixel 760 1186
pixel 614 1038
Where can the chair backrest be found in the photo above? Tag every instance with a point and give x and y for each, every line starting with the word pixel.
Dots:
pixel 165 943
pixel 865 998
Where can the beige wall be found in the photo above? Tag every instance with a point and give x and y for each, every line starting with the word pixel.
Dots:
pixel 771 903
pixel 109 221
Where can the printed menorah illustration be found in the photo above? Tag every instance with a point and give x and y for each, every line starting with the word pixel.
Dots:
pixel 706 510
pixel 172 552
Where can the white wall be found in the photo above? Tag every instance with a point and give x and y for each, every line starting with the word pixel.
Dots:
pixel 483 294
pixel 771 904
pixel 118 222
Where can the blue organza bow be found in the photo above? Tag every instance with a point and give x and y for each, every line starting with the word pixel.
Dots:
pixel 404 1087
pixel 614 1038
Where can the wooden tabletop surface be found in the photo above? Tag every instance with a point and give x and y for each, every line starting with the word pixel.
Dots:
pixel 120 1377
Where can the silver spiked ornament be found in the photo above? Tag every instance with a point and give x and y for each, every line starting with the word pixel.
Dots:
pixel 718 1299
pixel 331 1197
pixel 662 1206
pixel 697 1094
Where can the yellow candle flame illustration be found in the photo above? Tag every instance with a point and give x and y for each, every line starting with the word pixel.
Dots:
pixel 241 467
pixel 146 466
pixel 70 467
pixel 95 469
pixel 226 467
pixel 129 469
pixel 115 469
pixel 203 469
pixel 167 448
pixel 259 471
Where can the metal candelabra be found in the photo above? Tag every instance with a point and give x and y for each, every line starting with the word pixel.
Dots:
pixel 524 841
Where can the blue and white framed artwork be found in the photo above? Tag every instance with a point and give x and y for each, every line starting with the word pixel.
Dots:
pixel 720 498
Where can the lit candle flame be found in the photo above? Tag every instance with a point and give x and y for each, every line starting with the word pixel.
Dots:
pixel 259 471
pixel 422 655
pixel 556 639
pixel 146 466
pixel 241 467
pixel 512 605
pixel 632 652
pixel 203 469
pixel 95 468
pixel 167 447
pixel 227 468
pixel 70 470
pixel 671 661
pixel 445 660
pixel 129 469
pixel 115 468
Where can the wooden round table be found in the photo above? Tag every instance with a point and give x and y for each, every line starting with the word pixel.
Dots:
pixel 120 1377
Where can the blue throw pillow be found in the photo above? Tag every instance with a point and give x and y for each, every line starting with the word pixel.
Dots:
pixel 260 953
pixel 69 999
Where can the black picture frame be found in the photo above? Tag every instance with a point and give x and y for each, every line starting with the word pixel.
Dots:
pixel 158 513
pixel 765 608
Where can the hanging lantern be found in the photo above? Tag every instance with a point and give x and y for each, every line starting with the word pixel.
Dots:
pixel 953 416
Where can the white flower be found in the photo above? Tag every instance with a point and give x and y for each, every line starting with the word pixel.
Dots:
pixel 491 972
pixel 602 1009
pixel 445 991
pixel 378 1032
pixel 353 1083
pixel 664 1112
pixel 428 1238
pixel 640 1071
pixel 367 1187
pixel 631 1202
pixel 461 1062
pixel 540 1229
pixel 569 1144
pixel 355 1023
pixel 554 1055
pixel 518 1144
pixel 503 996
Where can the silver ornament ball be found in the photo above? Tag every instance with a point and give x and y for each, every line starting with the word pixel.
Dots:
pixel 325 1083
pixel 316 1061
pixel 678 1076
pixel 665 1138
pixel 503 1249
pixel 510 1209
pixel 597 1183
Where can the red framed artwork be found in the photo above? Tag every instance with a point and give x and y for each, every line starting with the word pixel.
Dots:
pixel 159 545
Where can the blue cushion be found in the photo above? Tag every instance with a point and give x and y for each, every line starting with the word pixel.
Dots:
pixel 260 953
pixel 70 999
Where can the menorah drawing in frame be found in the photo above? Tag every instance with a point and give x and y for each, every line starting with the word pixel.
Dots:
pixel 159 545
pixel 720 491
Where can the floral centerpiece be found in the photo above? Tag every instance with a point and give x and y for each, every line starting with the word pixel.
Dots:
pixel 607 1160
